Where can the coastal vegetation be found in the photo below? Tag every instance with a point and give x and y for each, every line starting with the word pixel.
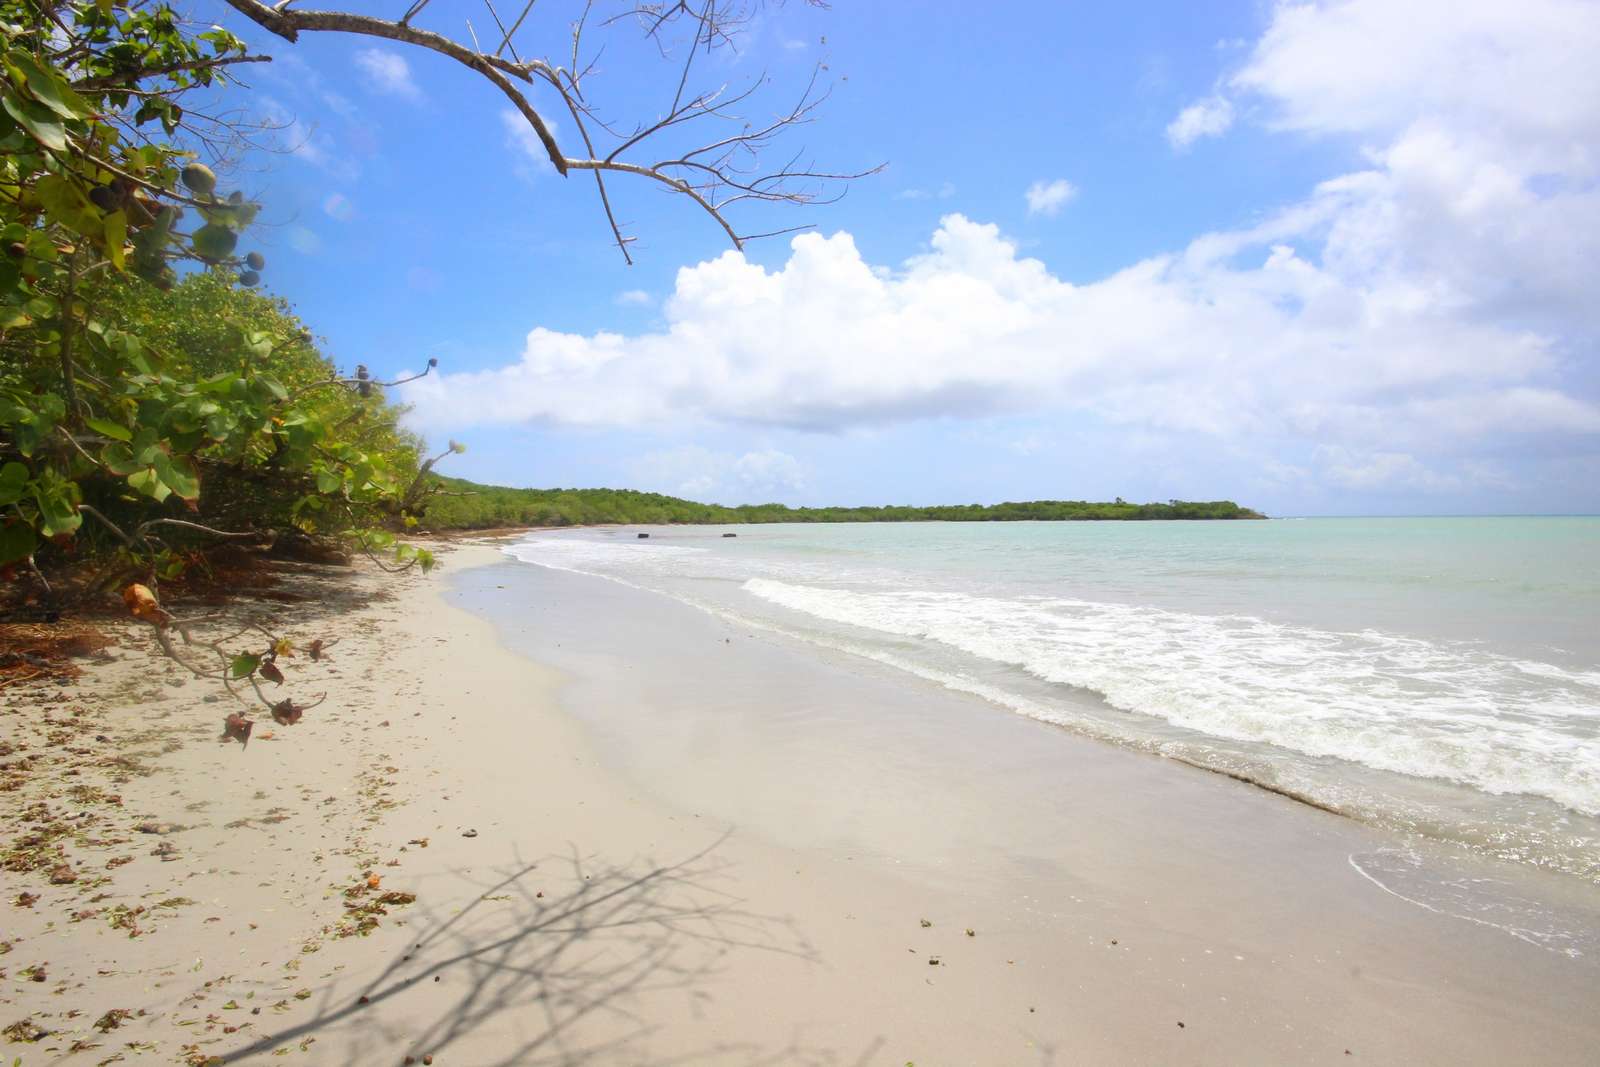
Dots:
pixel 461 504
pixel 153 403
pixel 145 413
pixel 157 410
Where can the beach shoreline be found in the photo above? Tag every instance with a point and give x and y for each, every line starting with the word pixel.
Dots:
pixel 579 900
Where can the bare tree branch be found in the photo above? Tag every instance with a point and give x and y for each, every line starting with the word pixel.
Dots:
pixel 237 534
pixel 515 26
pixel 723 170
pixel 288 24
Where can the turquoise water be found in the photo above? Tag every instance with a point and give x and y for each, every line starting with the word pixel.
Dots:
pixel 1441 676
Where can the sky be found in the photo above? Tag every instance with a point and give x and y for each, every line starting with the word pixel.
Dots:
pixel 1318 258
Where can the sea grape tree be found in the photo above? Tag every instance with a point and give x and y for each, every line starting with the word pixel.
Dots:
pixel 158 412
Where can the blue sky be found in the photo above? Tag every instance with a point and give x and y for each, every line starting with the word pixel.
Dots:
pixel 1322 258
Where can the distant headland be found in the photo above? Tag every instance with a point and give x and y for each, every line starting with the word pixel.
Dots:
pixel 465 505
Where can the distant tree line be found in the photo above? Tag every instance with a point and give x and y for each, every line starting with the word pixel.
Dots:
pixel 464 505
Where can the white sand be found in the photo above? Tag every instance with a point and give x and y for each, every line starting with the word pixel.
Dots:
pixel 589 922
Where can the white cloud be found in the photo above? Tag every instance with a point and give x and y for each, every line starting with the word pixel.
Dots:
pixel 1383 471
pixel 1204 118
pixel 944 192
pixel 1523 74
pixel 304 241
pixel 1236 336
pixel 294 75
pixel 337 206
pixel 1482 125
pixel 388 72
pixel 306 143
pixel 1048 198
pixel 1519 75
pixel 1029 443
pixel 722 477
pixel 770 471
pixel 634 298
pixel 1403 325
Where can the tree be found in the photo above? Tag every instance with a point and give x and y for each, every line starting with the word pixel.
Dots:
pixel 700 144
pixel 151 403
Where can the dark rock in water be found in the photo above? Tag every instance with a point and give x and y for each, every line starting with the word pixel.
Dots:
pixel 644 535
pixel 730 535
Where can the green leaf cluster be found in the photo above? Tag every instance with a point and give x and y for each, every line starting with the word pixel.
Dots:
pixel 142 377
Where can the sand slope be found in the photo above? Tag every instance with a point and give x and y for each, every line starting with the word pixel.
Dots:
pixel 562 916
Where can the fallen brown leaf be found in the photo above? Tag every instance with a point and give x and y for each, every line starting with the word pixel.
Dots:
pixel 142 604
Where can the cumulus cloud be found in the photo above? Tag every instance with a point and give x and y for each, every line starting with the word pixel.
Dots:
pixel 1401 325
pixel 1520 75
pixel 1238 334
pixel 1204 118
pixel 634 298
pixel 388 72
pixel 723 477
pixel 1048 198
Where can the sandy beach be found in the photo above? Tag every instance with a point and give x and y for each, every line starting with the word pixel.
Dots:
pixel 547 819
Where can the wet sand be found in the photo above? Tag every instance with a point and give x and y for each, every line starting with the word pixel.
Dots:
pixel 664 839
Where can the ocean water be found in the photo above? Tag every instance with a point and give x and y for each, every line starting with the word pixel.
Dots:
pixel 1438 676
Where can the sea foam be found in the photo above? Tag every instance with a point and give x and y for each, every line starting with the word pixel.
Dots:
pixel 1387 701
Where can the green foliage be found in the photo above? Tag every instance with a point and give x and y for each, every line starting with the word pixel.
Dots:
pixel 126 396
pixel 466 505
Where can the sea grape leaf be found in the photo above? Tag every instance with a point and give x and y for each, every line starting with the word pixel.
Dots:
pixel 179 476
pixel 16 542
pixel 49 89
pixel 13 478
pixel 109 429
pixel 57 513
pixel 116 236
pixel 38 120
pixel 119 459
pixel 148 482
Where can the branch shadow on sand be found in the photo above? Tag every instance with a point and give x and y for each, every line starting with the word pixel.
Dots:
pixel 564 979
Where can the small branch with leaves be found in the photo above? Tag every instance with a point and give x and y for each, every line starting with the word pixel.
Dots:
pixel 253 666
